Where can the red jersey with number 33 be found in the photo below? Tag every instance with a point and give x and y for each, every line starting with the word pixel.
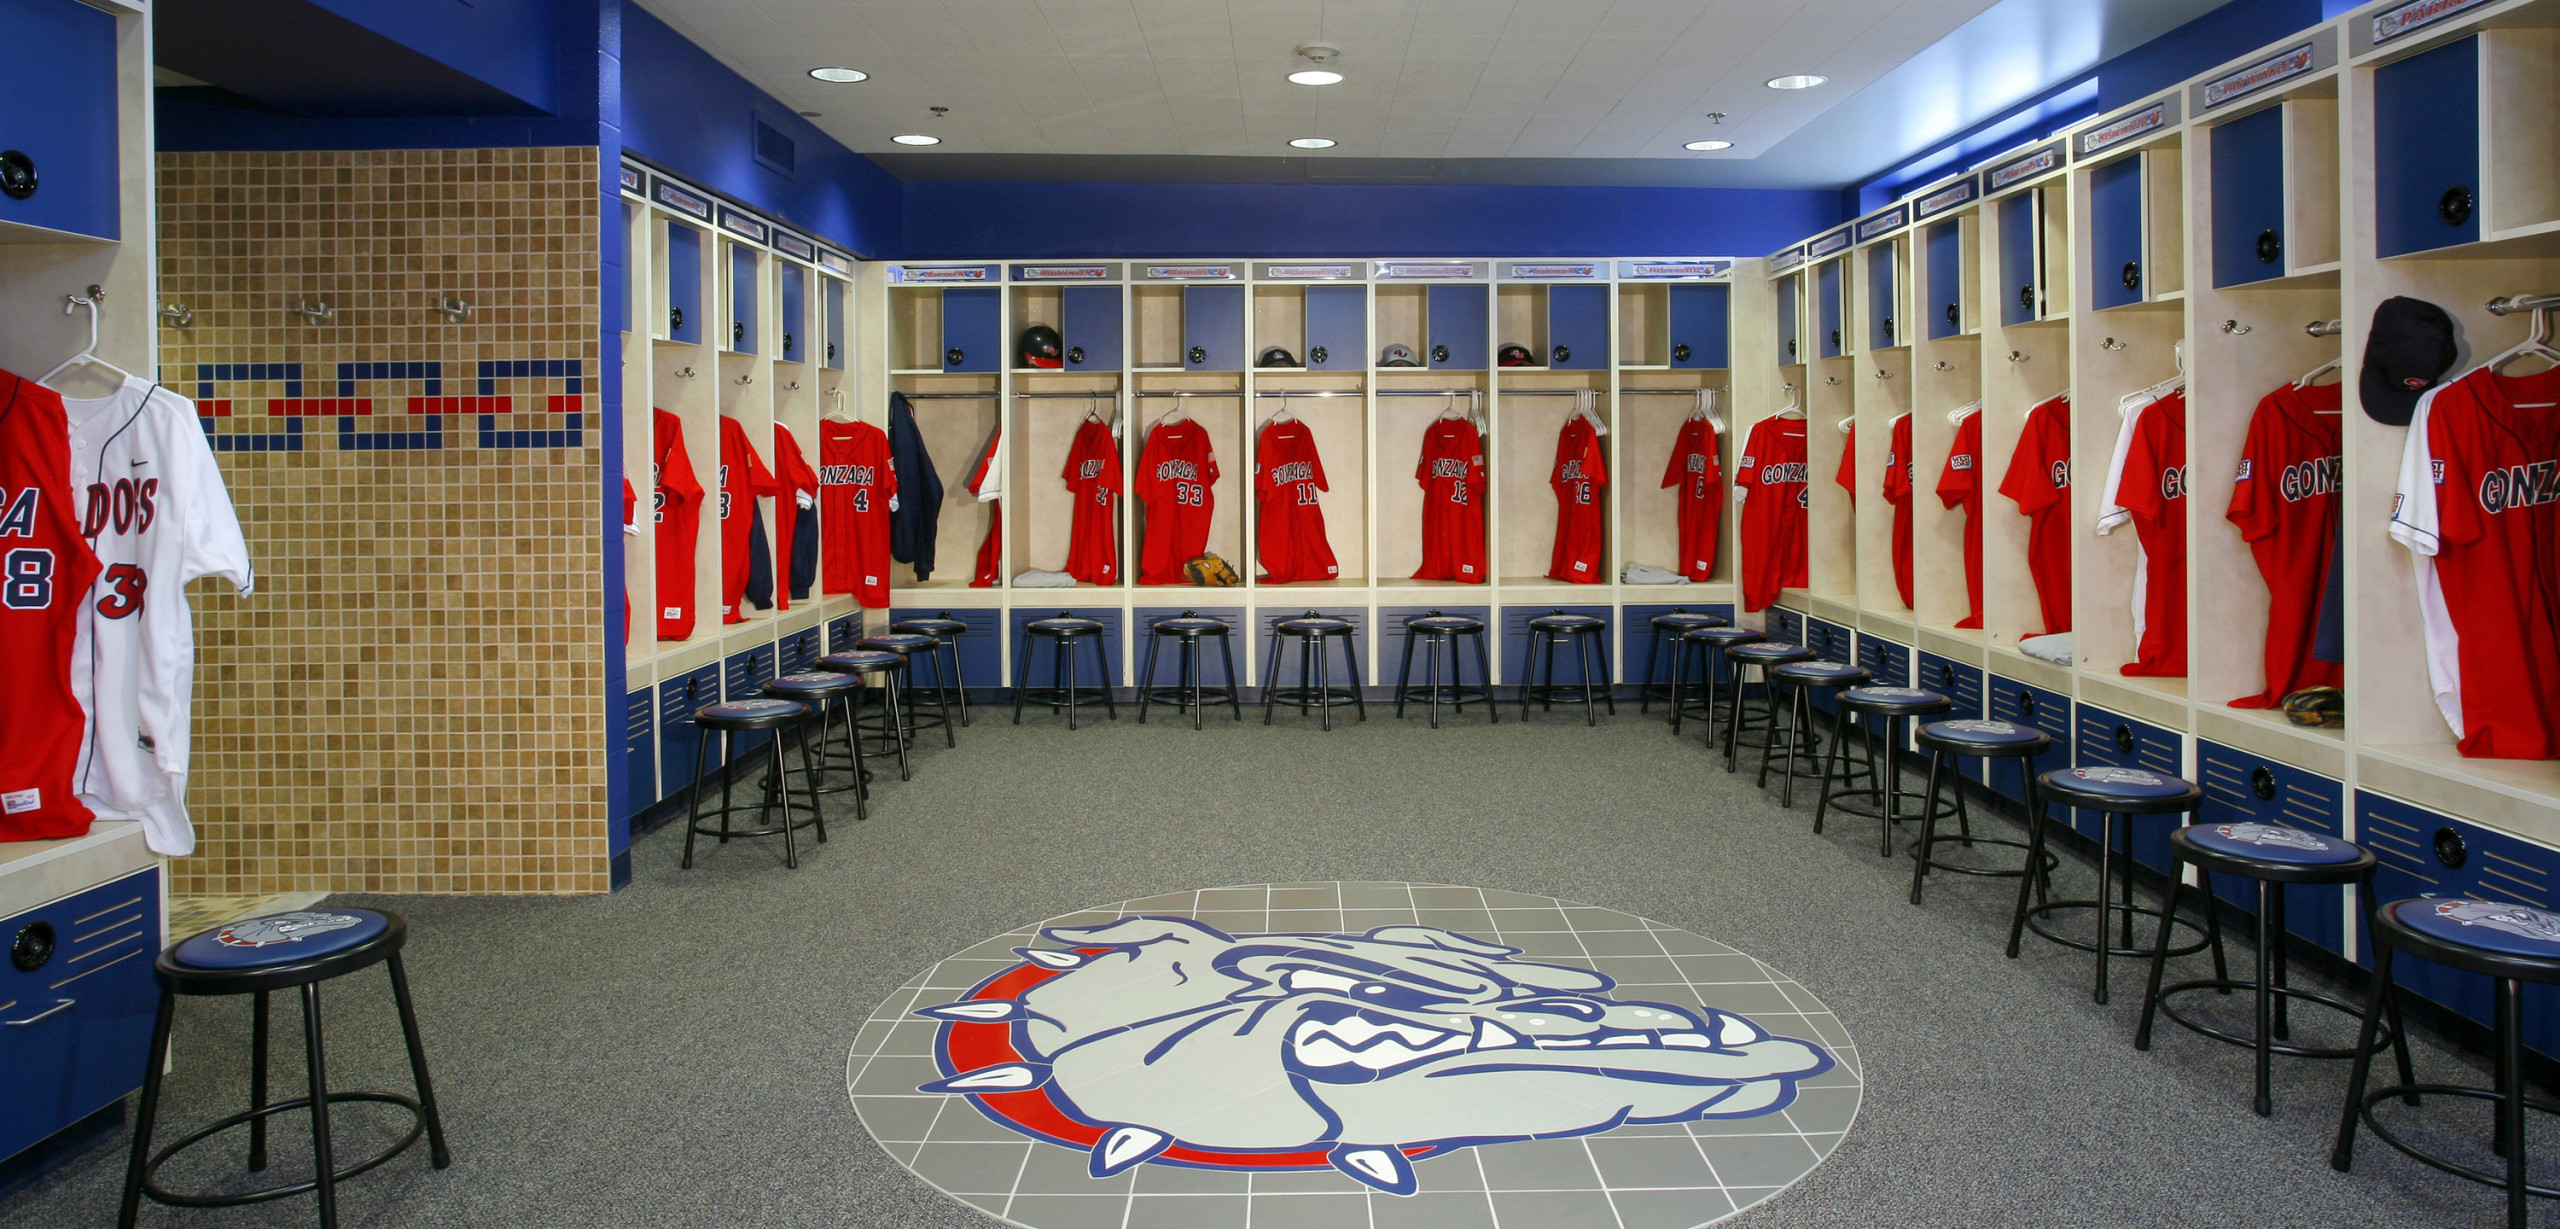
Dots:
pixel 1177 477
pixel 1769 482
pixel 1696 468
pixel 1452 475
pixel 46 568
pixel 856 486
pixel 743 478
pixel 676 507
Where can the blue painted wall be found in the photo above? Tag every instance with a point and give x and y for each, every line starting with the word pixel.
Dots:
pixel 1081 220
pixel 511 44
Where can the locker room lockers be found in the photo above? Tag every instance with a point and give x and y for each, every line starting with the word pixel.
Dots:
pixel 1944 308
pixel 972 329
pixel 1337 328
pixel 1701 317
pixel 1089 328
pixel 1458 317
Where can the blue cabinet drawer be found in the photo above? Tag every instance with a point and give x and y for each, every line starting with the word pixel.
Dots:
pixel 2248 198
pixel 742 677
pixel 1567 658
pixel 1957 682
pixel 792 342
pixel 2101 739
pixel 640 749
pixel 2021 290
pixel 78 1026
pixel 1213 328
pixel 743 323
pixel 843 632
pixel 1884 298
pixel 2421 853
pixel 1701 326
pixel 1785 625
pixel 1038 656
pixel 678 737
pixel 2426 149
pixel 800 650
pixel 1166 651
pixel 2240 788
pixel 834 297
pixel 1889 662
pixel 58 107
pixel 684 283
pixel 1391 655
pixel 1458 318
pixel 1089 327
pixel 1651 658
pixel 1943 307
pixel 1834 643
pixel 972 329
pixel 2116 274
pixel 1577 328
pixel 1337 328
pixel 1790 319
pixel 2018 703
pixel 1831 342
pixel 981 647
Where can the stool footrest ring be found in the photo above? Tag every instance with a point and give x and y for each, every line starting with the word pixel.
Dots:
pixel 1870 800
pixel 2036 918
pixel 2382 1034
pixel 1309 697
pixel 158 1194
pixel 2377 1096
pixel 2052 862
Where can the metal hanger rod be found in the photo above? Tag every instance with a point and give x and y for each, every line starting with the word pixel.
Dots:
pixel 1099 394
pixel 951 396
pixel 2523 303
pixel 1662 392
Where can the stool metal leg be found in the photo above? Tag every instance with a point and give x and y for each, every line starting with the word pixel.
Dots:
pixel 147 1114
pixel 941 699
pixel 437 1153
pixel 1404 675
pixel 2107 824
pixel 782 789
pixel 1928 821
pixel 1147 676
pixel 1191 670
pixel 324 1157
pixel 1835 765
pixel 1890 782
pixel 2341 1154
pixel 1484 674
pixel 1021 676
pixel 1529 673
pixel 258 1081
pixel 1235 688
pixel 1432 673
pixel 2160 959
pixel 1680 649
pixel 2511 1095
pixel 693 799
pixel 1351 663
pixel 2036 820
pixel 1733 720
pixel 1608 696
pixel 1271 676
pixel 892 694
pixel 1582 658
pixel 2267 939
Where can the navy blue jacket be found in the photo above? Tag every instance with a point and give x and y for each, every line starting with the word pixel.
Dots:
pixel 919 514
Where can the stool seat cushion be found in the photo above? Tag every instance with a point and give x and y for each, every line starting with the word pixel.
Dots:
pixel 2124 785
pixel 1724 637
pixel 1189 625
pixel 1568 623
pixel 280 938
pixel 2496 926
pixel 1682 619
pixel 1445 623
pixel 1063 625
pixel 1978 734
pixel 929 627
pixel 2271 843
pixel 750 714
pixel 1769 652
pixel 862 661
pixel 1314 625
pixel 898 642
pixel 817 683
pixel 1896 700
pixel 1822 673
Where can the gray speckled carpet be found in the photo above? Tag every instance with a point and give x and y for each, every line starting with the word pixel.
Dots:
pixel 675 1054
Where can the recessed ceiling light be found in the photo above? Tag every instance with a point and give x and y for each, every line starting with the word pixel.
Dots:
pixel 1313 143
pixel 1799 81
pixel 841 76
pixel 1315 76
pixel 916 138
pixel 1708 146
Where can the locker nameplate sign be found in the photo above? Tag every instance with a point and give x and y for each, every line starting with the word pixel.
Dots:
pixel 942 273
pixel 1961 192
pixel 1310 273
pixel 1191 273
pixel 1824 245
pixel 2124 128
pixel 2022 168
pixel 1885 223
pixel 1787 260
pixel 666 192
pixel 2416 15
pixel 831 259
pixel 2282 66
pixel 743 225
pixel 1441 270
pixel 633 181
pixel 1066 273
pixel 1673 270
pixel 794 246
pixel 1550 272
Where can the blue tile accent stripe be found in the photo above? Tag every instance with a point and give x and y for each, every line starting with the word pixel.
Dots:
pixel 428 439
pixel 287 440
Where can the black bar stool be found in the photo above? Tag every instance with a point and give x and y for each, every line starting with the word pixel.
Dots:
pixel 1437 631
pixel 830 695
pixel 1187 630
pixel 1065 634
pixel 1894 708
pixel 1802 679
pixel 281 951
pixel 1766 655
pixel 741 717
pixel 2119 796
pixel 946 632
pixel 1975 738
pixel 1706 646
pixel 2273 856
pixel 913 645
pixel 1667 629
pixel 1315 687
pixel 2511 943
pixel 887 674
pixel 1549 630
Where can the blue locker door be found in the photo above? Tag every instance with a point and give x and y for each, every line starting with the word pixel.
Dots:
pixel 795 314
pixel 1960 683
pixel 2421 853
pixel 2242 788
pixel 2248 199
pixel 972 328
pixel 1884 297
pixel 640 748
pixel 743 677
pixel 2021 281
pixel 1651 658
pixel 1090 316
pixel 1337 328
pixel 1701 325
pixel 1458 322
pixel 981 650
pixel 1038 658
pixel 60 97
pixel 1568 664
pixel 2426 149
pixel 742 299
pixel 1578 328
pixel 1167 650
pixel 2105 739
pixel 801 650
pixel 684 283
pixel 678 736
pixel 1391 651
pixel 2019 704
pixel 835 324
pixel 1944 305
pixel 1827 322
pixel 2115 233
pixel 1790 319
pixel 1213 328
pixel 80 1021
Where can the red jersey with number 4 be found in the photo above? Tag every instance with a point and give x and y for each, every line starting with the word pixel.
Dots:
pixel 1695 468
pixel 676 507
pixel 1289 525
pixel 2152 487
pixel 1769 482
pixel 1581 473
pixel 1960 486
pixel 46 568
pixel 743 478
pixel 2479 506
pixel 1093 475
pixel 2285 501
pixel 1177 477
pixel 857 489
pixel 1897 492
pixel 1452 475
pixel 2039 482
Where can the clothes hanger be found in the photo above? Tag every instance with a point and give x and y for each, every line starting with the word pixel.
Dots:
pixel 2335 366
pixel 1794 408
pixel 2162 389
pixel 1706 409
pixel 1585 406
pixel 1963 412
pixel 1849 424
pixel 2536 344
pixel 89 355
pixel 838 414
pixel 1282 414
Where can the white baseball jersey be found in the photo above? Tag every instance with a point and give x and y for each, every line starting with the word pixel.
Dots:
pixel 154 509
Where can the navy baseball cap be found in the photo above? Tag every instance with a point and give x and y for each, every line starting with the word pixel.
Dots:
pixel 2410 348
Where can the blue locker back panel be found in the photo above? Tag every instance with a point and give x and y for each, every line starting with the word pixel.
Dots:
pixel 981 647
pixel 1958 682
pixel 1357 616
pixel 677 735
pixel 1790 319
pixel 60 95
pixel 1568 664
pixel 972 328
pixel 1167 650
pixel 1884 297
pixel 742 299
pixel 2426 149
pixel 2248 199
pixel 2115 233
pixel 1089 325
pixel 835 324
pixel 795 315
pixel 2021 291
pixel 684 283
pixel 1702 325
pixel 2244 788
pixel 2007 699
pixel 1652 658
pixel 842 632
pixel 1337 328
pixel 1943 304
pixel 2101 739
pixel 640 748
pixel 81 1035
pixel 1457 327
pixel 1890 663
pixel 1577 328
pixel 1040 658
pixel 2421 853
pixel 1391 649
pixel 1213 328
pixel 1827 321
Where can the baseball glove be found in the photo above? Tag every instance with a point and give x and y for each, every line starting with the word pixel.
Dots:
pixel 1211 572
pixel 2317 706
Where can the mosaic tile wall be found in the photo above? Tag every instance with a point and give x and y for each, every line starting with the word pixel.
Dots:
pixel 413 699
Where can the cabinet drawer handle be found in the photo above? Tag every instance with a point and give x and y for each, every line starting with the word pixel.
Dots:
pixel 59 1006
pixel 675 319
pixel 1680 353
pixel 1075 355
pixel 2132 275
pixel 1564 354
pixel 1316 355
pixel 1888 329
pixel 1199 355
pixel 1439 354
pixel 2026 298
pixel 954 356
pixel 2262 782
pixel 1955 316
pixel 2124 739
pixel 2270 246
pixel 2455 205
pixel 17 175
pixel 2027 705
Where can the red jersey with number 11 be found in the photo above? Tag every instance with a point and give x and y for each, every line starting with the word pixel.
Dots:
pixel 857 489
pixel 1289 529
pixel 2285 501
pixel 675 504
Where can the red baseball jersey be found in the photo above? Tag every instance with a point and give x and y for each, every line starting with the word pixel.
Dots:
pixel 1452 474
pixel 1093 474
pixel 1769 482
pixel 743 478
pixel 1177 478
pixel 857 490
pixel 1289 530
pixel 2039 482
pixel 630 509
pixel 795 494
pixel 2479 506
pixel 1847 476
pixel 46 568
pixel 1897 492
pixel 1960 485
pixel 1697 469
pixel 1581 473
pixel 2285 501
pixel 986 481
pixel 675 505
pixel 2152 487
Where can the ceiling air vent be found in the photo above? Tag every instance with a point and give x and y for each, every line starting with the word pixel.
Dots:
pixel 774 149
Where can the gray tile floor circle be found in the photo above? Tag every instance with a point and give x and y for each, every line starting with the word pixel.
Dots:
pixel 1680 1174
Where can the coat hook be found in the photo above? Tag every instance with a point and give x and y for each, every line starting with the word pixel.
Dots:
pixel 2234 327
pixel 2325 328
pixel 2110 344
pixel 1943 365
pixel 179 315
pixel 745 379
pixel 792 387
pixel 1883 374
pixel 316 311
pixel 2016 357
pixel 1830 379
pixel 453 308
pixel 684 373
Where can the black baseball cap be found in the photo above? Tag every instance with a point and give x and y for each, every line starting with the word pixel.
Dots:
pixel 2410 348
